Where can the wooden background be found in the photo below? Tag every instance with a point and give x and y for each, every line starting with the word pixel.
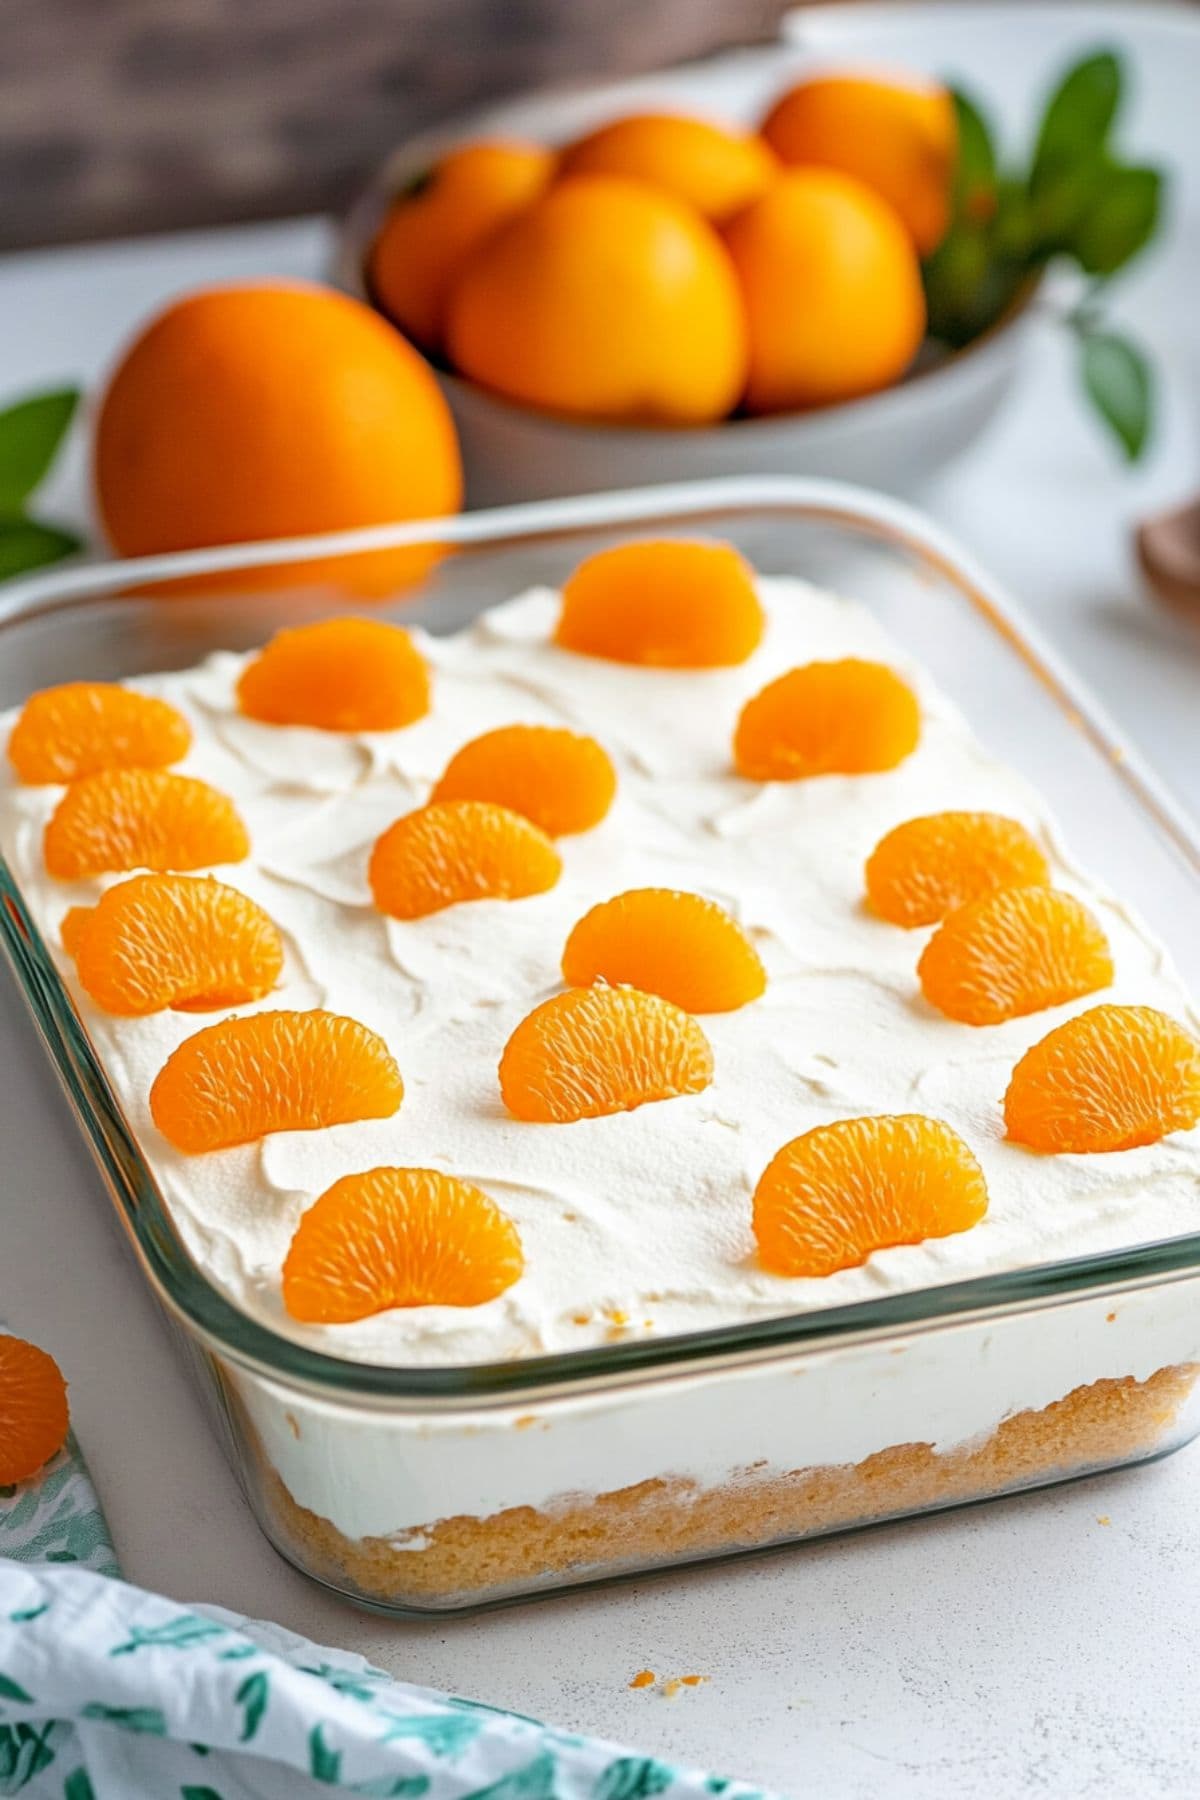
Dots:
pixel 135 115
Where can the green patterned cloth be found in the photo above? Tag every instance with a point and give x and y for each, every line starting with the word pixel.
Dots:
pixel 111 1693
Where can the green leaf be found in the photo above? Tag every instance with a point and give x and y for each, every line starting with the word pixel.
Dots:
pixel 24 544
pixel 25 1750
pixel 1070 161
pixel 78 1786
pixel 974 187
pixel 28 1613
pixel 1118 381
pixel 1078 116
pixel 1121 220
pixel 198 1793
pixel 10 1690
pixel 30 433
pixel 252 1697
pixel 442 1734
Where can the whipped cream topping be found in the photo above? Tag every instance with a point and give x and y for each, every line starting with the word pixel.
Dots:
pixel 638 1223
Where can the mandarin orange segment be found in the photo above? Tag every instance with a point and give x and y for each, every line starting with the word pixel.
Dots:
pixel 665 603
pixel 74 924
pixel 398 1237
pixel 560 779
pixel 680 946
pixel 924 868
pixel 1113 1078
pixel 337 675
pixel 827 718
pixel 180 941
pixel 33 1409
pixel 275 1071
pixel 85 726
pixel 456 850
pixel 599 1050
pixel 141 819
pixel 836 1194
pixel 1015 951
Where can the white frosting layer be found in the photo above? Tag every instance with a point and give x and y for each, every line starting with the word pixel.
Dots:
pixel 638 1223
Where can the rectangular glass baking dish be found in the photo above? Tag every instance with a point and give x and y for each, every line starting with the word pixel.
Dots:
pixel 422 1490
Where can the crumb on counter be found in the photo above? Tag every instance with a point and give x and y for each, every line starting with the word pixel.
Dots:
pixel 525 1421
pixel 1103 1519
pixel 644 1678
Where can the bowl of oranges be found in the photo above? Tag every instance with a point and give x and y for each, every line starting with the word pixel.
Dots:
pixel 633 285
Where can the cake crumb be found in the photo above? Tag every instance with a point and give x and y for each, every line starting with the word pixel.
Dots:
pixel 644 1678
pixel 694 1680
pixel 1103 1519
pixel 525 1421
pixel 671 1688
pixel 1109 1317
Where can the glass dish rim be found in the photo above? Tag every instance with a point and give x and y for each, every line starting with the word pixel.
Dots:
pixel 199 1306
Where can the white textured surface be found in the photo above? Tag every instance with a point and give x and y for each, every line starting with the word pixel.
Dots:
pixel 1018 1649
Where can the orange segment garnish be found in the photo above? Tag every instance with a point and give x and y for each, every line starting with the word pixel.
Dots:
pixel 337 675
pixel 456 850
pixel 1012 952
pixel 666 603
pixel 141 819
pixel 827 718
pixel 560 779
pixel 33 1409
pixel 594 1051
pixel 1112 1078
pixel 180 941
pixel 74 924
pixel 398 1237
pixel 923 869
pixel 839 1192
pixel 274 1071
pixel 85 726
pixel 680 946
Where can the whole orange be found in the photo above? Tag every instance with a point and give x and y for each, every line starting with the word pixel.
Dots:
pixel 270 411
pixel 901 139
pixel 832 289
pixel 605 299
pixel 713 168
pixel 428 234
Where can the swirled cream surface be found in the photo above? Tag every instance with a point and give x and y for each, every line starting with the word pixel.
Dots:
pixel 639 1223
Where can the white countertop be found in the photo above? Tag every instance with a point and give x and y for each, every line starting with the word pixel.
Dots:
pixel 1044 1645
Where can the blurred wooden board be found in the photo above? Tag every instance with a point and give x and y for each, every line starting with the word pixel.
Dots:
pixel 121 116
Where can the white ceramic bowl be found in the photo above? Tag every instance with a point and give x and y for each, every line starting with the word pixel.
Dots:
pixel 893 440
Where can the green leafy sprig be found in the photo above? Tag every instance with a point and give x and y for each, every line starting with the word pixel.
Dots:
pixel 31 433
pixel 1075 199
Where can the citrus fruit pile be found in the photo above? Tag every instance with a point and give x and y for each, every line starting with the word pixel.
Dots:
pixel 167 927
pixel 668 269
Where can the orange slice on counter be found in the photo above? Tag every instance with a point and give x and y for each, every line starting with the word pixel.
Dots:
pixel 1113 1078
pixel 924 868
pixel 398 1237
pixel 1014 951
pixel 680 946
pixel 141 819
pixel 666 603
pixel 457 850
pixel 85 726
pixel 337 675
pixel 599 1050
pixel 828 718
pixel 562 781
pixel 33 1409
pixel 836 1194
pixel 242 1079
pixel 181 941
